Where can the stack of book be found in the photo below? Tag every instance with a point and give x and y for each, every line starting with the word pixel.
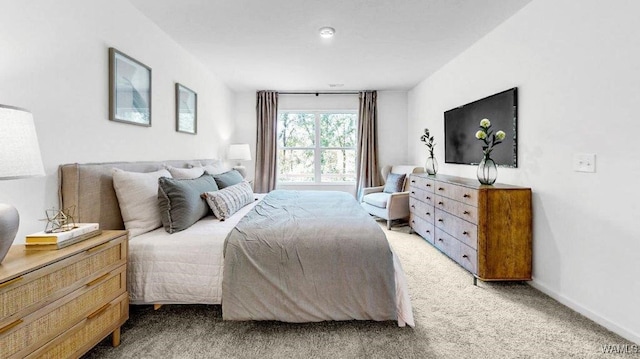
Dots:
pixel 57 240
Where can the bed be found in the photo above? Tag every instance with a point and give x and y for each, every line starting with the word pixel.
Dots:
pixel 232 263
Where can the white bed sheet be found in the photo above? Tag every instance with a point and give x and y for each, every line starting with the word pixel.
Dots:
pixel 187 267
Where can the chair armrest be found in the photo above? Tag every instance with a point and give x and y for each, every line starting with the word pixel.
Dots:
pixel 367 190
pixel 398 205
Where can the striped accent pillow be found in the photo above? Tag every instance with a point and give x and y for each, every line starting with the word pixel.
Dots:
pixel 229 200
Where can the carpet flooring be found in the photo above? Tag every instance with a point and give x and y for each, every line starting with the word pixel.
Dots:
pixel 454 319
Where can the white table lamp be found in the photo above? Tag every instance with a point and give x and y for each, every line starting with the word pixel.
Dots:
pixel 239 152
pixel 19 158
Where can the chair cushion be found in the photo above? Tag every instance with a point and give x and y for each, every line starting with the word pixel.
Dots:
pixel 378 199
pixel 394 183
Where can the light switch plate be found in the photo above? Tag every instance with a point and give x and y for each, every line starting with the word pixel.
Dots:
pixel 584 162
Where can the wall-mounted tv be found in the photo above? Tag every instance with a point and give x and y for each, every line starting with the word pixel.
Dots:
pixel 461 123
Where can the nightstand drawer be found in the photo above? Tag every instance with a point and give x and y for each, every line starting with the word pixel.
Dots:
pixel 41 326
pixel 27 292
pixel 94 328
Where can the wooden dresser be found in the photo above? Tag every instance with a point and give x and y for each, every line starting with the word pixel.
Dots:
pixel 61 303
pixel 485 229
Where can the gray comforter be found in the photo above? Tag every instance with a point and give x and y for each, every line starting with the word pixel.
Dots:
pixel 307 256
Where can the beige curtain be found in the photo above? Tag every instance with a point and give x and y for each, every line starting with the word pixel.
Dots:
pixel 367 174
pixel 267 117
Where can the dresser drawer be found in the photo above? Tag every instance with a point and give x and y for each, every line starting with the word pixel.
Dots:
pixel 23 294
pixel 421 195
pixel 446 243
pixel 41 326
pixel 92 329
pixel 459 209
pixel 464 231
pixel 421 209
pixel 468 258
pixel 458 193
pixel 421 182
pixel 423 228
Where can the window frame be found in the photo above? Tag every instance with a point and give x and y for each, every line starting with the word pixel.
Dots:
pixel 317 149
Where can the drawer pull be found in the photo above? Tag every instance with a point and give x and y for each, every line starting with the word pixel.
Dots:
pixel 465 212
pixel 8 327
pixel 466 196
pixel 412 192
pixel 413 206
pixel 98 280
pixel 428 185
pixel 99 311
pixel 465 256
pixel 465 233
pixel 440 220
pixel 427 231
pixel 440 240
pixel 413 181
pixel 428 214
pixel 97 248
pixel 440 189
pixel 440 203
pixel 412 221
pixel 9 282
pixel 428 198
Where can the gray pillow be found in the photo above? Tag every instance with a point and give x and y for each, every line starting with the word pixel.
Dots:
pixel 228 201
pixel 228 178
pixel 180 201
pixel 394 183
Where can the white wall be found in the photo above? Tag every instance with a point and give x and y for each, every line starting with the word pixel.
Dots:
pixel 578 78
pixel 55 63
pixel 392 125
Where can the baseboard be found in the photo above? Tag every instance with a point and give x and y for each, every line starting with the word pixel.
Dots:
pixel 623 332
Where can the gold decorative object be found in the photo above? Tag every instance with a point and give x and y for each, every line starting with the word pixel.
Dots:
pixel 60 220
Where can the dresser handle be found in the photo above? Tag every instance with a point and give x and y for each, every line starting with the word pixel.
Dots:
pixel 98 280
pixel 427 213
pixel 465 212
pixel 427 231
pixel 440 203
pixel 440 240
pixel 413 181
pixel 466 196
pixel 413 206
pixel 97 248
pixel 99 311
pixel 10 282
pixel 440 220
pixel 428 198
pixel 412 221
pixel 440 189
pixel 464 256
pixel 428 185
pixel 8 327
pixel 465 233
pixel 412 192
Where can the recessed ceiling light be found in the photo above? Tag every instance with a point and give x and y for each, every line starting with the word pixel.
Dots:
pixel 327 32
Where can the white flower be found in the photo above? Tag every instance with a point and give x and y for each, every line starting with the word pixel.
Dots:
pixel 481 135
pixel 485 123
pixel 500 135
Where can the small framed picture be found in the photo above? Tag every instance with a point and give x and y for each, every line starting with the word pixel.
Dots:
pixel 186 110
pixel 129 90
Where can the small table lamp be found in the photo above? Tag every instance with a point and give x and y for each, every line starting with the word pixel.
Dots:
pixel 19 158
pixel 239 152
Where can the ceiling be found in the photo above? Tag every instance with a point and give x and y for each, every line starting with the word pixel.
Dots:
pixel 275 45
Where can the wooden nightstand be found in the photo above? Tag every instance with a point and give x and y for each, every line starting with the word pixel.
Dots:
pixel 61 303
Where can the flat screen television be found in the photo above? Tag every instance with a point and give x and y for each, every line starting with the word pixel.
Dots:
pixel 461 124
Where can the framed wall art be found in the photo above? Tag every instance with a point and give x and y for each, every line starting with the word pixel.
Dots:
pixel 129 90
pixel 186 110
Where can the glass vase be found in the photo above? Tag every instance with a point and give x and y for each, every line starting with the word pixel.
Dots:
pixel 487 171
pixel 431 166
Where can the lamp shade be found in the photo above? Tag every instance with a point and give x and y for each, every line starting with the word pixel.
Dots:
pixel 239 152
pixel 19 149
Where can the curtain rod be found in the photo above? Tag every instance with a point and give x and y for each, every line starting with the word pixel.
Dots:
pixel 320 93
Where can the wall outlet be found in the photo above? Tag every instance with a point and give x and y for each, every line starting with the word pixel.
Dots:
pixel 584 162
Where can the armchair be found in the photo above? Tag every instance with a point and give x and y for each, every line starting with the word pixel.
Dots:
pixel 389 206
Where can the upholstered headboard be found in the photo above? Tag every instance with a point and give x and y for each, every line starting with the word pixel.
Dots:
pixel 89 187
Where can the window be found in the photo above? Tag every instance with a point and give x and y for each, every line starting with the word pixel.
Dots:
pixel 317 147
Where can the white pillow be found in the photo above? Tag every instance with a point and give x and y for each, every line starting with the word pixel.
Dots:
pixel 185 173
pixel 137 194
pixel 215 168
